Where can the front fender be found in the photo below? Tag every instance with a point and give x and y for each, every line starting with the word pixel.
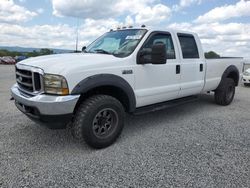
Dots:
pixel 106 80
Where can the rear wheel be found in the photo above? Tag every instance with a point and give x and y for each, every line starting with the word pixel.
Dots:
pixel 224 94
pixel 99 120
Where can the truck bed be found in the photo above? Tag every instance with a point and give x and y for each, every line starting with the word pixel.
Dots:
pixel 215 68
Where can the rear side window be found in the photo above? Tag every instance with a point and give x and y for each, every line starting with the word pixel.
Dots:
pixel 188 46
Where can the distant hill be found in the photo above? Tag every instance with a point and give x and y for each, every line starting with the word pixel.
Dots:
pixel 23 49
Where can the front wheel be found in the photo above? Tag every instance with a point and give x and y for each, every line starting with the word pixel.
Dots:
pixel 224 94
pixel 99 120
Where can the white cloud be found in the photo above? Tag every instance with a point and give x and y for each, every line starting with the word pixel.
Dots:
pixel 90 29
pixel 153 15
pixel 12 13
pixel 132 6
pixel 83 9
pixel 242 8
pixel 97 9
pixel 185 3
pixel 40 10
pixel 229 39
pixel 60 36
pixel 129 21
pixel 143 11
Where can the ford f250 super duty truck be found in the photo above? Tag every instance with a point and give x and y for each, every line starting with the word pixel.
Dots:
pixel 132 70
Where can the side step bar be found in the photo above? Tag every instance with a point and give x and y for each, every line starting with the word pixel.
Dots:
pixel 164 105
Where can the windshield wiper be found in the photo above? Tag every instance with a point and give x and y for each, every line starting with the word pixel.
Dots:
pixel 102 51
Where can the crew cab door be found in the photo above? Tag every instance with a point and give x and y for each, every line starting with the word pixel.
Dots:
pixel 157 83
pixel 192 68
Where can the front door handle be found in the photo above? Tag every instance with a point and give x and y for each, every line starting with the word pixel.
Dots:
pixel 201 67
pixel 178 69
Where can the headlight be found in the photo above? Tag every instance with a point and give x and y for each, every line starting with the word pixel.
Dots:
pixel 55 84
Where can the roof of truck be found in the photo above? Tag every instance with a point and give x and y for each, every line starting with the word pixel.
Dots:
pixel 151 29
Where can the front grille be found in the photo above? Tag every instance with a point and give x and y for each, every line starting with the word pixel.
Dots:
pixel 28 81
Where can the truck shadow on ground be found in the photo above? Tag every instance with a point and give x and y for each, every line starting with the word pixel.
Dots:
pixel 169 114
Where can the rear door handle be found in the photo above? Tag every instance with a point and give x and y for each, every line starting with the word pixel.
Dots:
pixel 201 67
pixel 178 69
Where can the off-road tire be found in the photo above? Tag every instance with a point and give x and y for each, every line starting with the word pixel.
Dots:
pixel 88 115
pixel 224 94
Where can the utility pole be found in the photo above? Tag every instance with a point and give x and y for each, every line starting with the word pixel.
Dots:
pixel 77 27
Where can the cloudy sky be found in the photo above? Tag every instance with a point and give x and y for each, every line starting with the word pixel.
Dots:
pixel 223 26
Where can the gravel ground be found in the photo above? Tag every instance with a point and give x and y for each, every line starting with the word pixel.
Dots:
pixel 198 144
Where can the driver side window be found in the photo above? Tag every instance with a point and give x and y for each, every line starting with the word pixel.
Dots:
pixel 161 38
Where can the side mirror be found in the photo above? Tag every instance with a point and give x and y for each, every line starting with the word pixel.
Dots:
pixel 155 55
pixel 159 54
pixel 84 48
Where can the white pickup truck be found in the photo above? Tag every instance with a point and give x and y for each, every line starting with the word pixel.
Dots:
pixel 132 70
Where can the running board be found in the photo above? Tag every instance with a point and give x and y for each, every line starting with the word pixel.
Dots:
pixel 164 105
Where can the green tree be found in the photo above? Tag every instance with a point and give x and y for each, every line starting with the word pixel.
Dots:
pixel 46 51
pixel 211 55
pixel 8 53
pixel 43 51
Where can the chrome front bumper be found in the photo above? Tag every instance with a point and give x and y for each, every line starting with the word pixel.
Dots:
pixel 46 104
pixel 54 112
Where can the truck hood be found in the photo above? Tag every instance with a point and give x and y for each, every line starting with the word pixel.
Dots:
pixel 55 64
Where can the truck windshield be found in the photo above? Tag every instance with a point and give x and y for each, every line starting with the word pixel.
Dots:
pixel 120 43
